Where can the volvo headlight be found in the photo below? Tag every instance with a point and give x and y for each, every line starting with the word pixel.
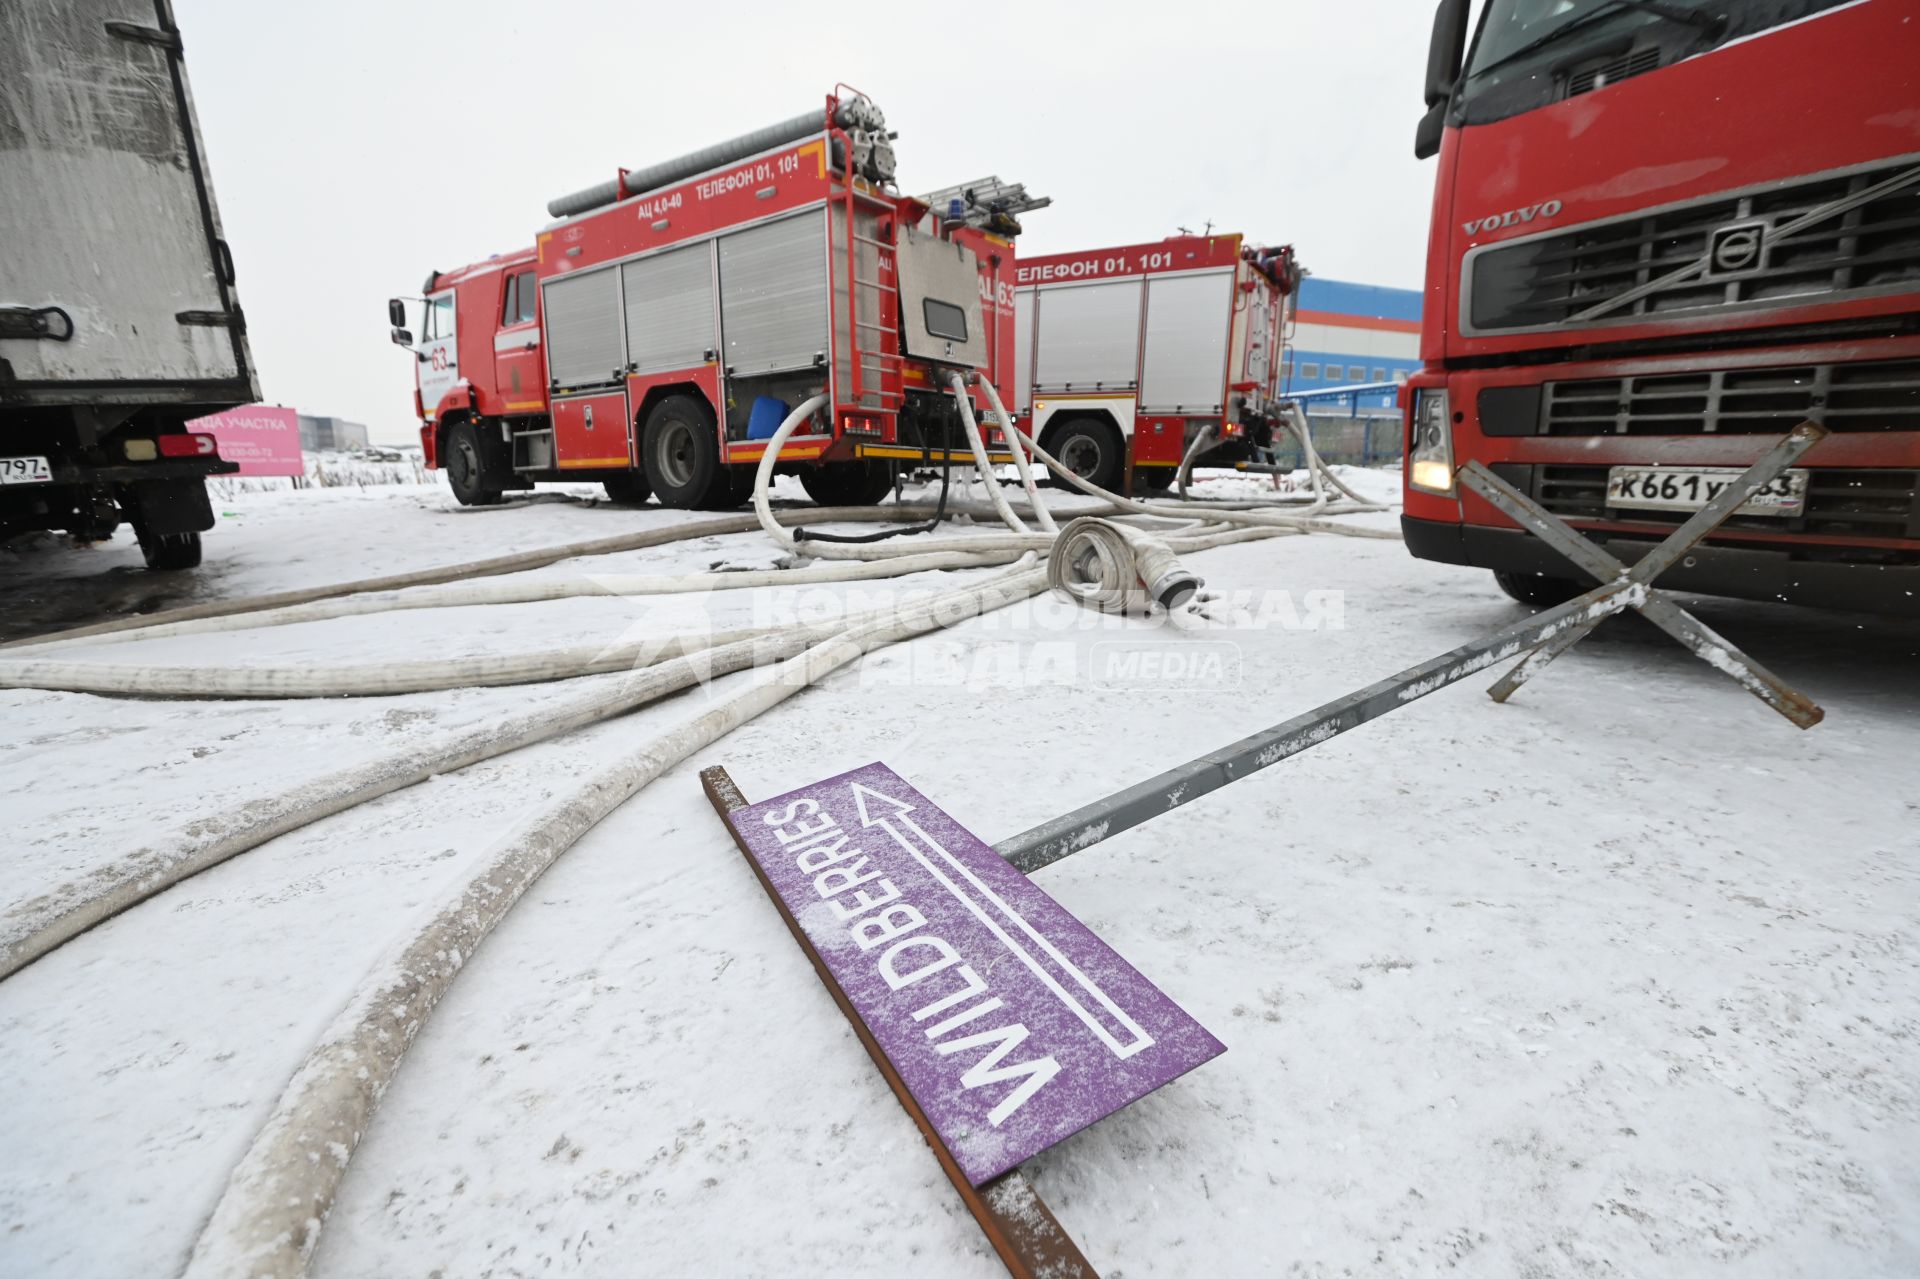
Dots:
pixel 1430 452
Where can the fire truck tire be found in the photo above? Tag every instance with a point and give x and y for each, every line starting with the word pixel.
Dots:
pixel 1538 589
pixel 847 483
pixel 732 485
pixel 681 455
pixel 1092 450
pixel 630 489
pixel 474 480
pixel 169 552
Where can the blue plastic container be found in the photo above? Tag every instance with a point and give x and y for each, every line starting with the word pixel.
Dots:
pixel 767 415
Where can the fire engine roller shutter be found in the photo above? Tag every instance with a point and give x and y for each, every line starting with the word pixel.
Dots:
pixel 670 309
pixel 1089 336
pixel 583 329
pixel 1188 320
pixel 1022 350
pixel 773 295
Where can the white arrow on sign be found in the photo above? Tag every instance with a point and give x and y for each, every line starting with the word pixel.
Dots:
pixel 880 809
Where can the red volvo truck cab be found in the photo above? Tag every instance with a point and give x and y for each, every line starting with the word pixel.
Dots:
pixel 1127 354
pixel 653 337
pixel 1665 233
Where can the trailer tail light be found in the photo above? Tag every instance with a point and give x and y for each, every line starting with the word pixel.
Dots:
pixel 195 445
pixel 859 426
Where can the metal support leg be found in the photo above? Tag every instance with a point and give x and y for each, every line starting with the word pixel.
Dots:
pixel 1656 606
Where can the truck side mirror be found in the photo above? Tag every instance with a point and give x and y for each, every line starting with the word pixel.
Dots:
pixel 401 337
pixel 1445 52
pixel 396 313
pixel 1426 136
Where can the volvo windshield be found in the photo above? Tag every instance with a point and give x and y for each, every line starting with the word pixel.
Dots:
pixel 1532 52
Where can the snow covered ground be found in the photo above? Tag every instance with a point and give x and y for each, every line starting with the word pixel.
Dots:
pixel 1620 978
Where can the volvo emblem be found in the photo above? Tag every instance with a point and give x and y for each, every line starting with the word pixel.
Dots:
pixel 1736 248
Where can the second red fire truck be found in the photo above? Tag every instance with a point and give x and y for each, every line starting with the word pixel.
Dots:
pixel 1126 354
pixel 654 337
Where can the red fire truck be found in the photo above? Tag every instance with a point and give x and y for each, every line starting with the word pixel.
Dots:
pixel 654 336
pixel 1127 354
pixel 1663 234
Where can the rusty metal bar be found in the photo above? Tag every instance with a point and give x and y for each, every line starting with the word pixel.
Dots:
pixel 1022 1229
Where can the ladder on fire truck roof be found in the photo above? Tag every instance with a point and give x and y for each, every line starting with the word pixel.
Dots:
pixel 981 200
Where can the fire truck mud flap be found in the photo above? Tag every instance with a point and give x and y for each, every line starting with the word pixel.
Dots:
pixel 1772 576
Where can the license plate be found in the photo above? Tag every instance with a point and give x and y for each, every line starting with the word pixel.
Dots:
pixel 25 470
pixel 1688 488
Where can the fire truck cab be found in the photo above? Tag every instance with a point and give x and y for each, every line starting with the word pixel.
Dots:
pixel 656 334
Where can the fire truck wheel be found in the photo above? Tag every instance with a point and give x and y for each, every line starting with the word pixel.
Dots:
pixel 169 552
pixel 847 483
pixel 731 486
pixel 630 489
pixel 1091 450
pixel 681 454
pixel 473 481
pixel 1539 590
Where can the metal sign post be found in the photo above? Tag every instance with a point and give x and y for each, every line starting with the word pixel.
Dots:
pixel 1018 1224
pixel 1541 637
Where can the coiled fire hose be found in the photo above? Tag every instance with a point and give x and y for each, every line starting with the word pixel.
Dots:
pixel 1115 568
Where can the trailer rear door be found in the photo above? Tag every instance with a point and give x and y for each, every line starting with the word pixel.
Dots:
pixel 107 211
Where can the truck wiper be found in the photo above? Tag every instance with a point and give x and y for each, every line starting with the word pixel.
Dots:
pixel 1673 13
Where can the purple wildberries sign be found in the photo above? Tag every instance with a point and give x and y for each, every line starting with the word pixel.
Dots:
pixel 1012 1025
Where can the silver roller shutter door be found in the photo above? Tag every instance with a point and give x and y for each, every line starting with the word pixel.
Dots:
pixel 1188 317
pixel 1022 350
pixel 670 309
pixel 583 328
pixel 1089 336
pixel 773 295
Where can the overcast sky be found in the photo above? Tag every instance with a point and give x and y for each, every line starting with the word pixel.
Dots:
pixel 356 145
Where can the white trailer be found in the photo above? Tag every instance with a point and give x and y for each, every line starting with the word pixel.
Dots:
pixel 118 316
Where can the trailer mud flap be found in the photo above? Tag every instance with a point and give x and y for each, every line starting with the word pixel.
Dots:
pixel 166 507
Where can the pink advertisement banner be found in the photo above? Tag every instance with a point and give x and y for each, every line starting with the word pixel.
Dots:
pixel 263 438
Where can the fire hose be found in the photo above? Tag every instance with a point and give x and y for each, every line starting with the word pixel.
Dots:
pixel 1109 564
pixel 268 1219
